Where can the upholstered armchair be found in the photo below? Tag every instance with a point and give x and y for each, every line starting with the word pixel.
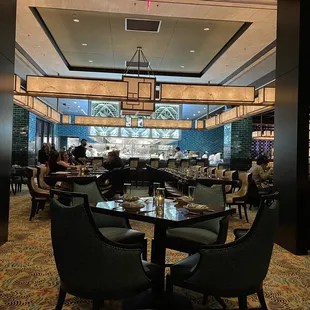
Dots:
pixel 240 197
pixel 191 239
pixel 39 196
pixel 235 269
pixel 114 228
pixel 90 265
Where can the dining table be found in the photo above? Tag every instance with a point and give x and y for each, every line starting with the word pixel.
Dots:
pixel 173 215
pixel 76 176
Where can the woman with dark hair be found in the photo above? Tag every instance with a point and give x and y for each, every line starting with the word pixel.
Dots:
pixel 55 163
pixel 261 172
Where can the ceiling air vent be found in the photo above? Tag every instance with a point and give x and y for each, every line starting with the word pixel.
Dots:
pixel 142 25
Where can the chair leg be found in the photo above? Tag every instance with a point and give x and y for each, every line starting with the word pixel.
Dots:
pixel 261 299
pixel 144 250
pixel 61 299
pixel 34 205
pixel 246 213
pixel 242 302
pixel 239 210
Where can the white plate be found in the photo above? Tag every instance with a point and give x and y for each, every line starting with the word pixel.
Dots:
pixel 167 200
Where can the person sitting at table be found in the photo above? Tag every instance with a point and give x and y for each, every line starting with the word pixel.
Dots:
pixel 261 172
pixel 55 163
pixel 64 156
pixel 113 161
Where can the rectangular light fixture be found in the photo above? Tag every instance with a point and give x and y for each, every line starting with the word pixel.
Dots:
pixel 267 135
pixel 100 121
pixel 167 124
pixel 199 124
pixel 138 106
pixel 59 87
pixel 198 94
pixel 37 107
pixel 229 116
pixel 66 119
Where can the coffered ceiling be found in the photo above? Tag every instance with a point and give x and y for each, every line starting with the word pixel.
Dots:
pixel 242 63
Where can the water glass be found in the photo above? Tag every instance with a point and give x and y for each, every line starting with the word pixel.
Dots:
pixel 156 185
pixel 191 191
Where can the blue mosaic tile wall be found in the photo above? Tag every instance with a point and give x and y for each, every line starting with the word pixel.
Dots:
pixel 202 140
pixel 20 136
pixel 238 144
pixel 73 131
pixel 32 139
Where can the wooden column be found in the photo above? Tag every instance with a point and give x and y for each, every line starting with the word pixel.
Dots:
pixel 292 126
pixel 7 58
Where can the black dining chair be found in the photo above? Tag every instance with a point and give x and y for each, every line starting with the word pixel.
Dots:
pixel 114 228
pixel 235 269
pixel 191 239
pixel 90 265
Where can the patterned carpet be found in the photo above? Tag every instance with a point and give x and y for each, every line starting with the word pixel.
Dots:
pixel 29 280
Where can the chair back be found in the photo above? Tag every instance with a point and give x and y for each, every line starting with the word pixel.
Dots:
pixel 245 178
pixel 97 161
pixel 94 196
pixel 42 172
pixel 133 162
pixel 91 190
pixel 209 196
pixel 154 162
pixel 89 265
pixel 246 260
pixel 184 163
pixel 171 163
pixel 201 162
pixel 230 175
pixel 211 170
pixel 220 173
pixel 34 190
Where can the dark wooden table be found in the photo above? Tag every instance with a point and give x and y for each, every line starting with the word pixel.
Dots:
pixel 172 217
pixel 75 176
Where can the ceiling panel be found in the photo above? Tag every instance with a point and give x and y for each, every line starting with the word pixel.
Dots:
pixel 106 37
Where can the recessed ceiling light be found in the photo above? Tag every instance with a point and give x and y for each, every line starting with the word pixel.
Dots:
pixel 194 114
pixel 198 111
pixel 204 108
pixel 90 61
pixel 188 118
pixel 192 51
pixel 79 106
pixel 206 29
pixel 74 102
pixel 84 44
pixel 76 20
pixel 182 67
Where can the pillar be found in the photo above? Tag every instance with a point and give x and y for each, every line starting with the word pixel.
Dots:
pixel 292 126
pixel 7 58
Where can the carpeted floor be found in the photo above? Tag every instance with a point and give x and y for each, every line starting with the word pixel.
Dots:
pixel 29 280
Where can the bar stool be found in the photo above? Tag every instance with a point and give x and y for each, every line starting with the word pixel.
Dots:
pixel 171 163
pixel 184 163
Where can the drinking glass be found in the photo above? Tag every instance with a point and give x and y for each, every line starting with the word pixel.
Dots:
pixel 156 185
pixel 126 190
pixel 191 192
